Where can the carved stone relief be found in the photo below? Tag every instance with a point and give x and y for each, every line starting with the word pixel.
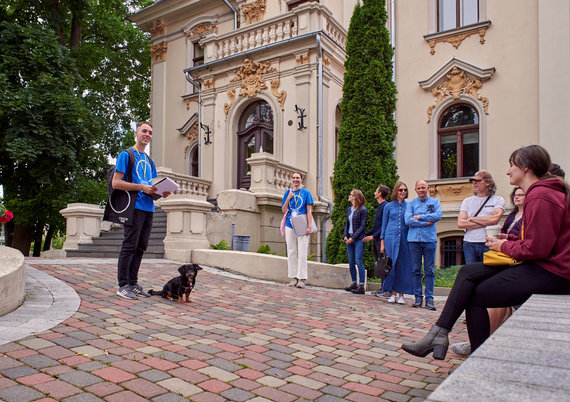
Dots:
pixel 457 38
pixel 192 136
pixel 200 29
pixel 157 28
pixel 158 52
pixel 254 11
pixel 250 75
pixel 302 59
pixel 189 100
pixel 232 95
pixel 209 84
pixel 457 83
pixel 279 95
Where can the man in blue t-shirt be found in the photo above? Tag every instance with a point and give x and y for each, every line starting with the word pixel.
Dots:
pixel 136 235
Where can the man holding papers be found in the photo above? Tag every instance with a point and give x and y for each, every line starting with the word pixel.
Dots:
pixel 137 233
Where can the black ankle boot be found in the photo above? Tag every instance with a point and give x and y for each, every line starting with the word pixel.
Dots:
pixel 436 341
pixel 359 290
pixel 351 287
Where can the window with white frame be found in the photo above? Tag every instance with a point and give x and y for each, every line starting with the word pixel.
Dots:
pixel 458 135
pixel 452 14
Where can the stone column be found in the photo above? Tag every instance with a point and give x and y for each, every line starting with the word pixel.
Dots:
pixel 83 222
pixel 185 225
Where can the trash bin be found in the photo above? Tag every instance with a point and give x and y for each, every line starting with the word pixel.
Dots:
pixel 240 243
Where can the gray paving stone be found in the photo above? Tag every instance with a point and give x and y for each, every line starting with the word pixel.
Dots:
pixel 205 349
pixel 80 379
pixel 323 362
pixel 380 369
pixel 68 342
pixel 279 364
pixel 109 359
pixel 154 375
pixel 82 397
pixel 393 396
pixel 224 364
pixel 170 356
pixel 19 393
pixel 39 361
pixel 329 398
pixel 91 366
pixel 18 372
pixel 278 373
pixel 336 391
pixel 280 348
pixel 170 397
pixel 280 356
pixel 236 394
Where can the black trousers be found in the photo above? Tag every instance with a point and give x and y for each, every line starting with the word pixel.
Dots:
pixel 478 287
pixel 376 247
pixel 134 245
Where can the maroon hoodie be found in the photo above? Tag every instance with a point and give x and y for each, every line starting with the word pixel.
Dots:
pixel 546 226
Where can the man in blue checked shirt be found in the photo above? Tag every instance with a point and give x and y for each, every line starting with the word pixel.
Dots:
pixel 421 215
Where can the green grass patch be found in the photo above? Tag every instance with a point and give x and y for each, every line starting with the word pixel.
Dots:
pixel 444 277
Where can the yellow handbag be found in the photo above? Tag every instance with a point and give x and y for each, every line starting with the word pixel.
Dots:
pixel 496 258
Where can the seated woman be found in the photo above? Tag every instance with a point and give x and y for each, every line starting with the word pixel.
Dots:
pixel 544 248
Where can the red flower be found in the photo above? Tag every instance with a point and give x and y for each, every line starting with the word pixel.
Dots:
pixel 7 217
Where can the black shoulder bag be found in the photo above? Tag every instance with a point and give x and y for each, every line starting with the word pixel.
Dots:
pixel 120 206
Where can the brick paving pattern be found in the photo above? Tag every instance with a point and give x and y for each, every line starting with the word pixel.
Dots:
pixel 237 340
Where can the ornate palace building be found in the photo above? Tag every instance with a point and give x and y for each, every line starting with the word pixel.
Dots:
pixel 245 92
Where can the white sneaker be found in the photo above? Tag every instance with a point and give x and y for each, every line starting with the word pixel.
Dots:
pixel 392 299
pixel 401 300
pixel 461 349
pixel 293 283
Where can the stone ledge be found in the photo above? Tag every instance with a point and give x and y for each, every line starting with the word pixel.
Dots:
pixel 12 280
pixel 526 359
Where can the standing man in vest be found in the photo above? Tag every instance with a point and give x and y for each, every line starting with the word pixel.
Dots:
pixel 421 215
pixel 374 234
pixel 480 210
pixel 136 235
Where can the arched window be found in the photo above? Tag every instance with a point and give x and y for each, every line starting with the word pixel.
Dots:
pixel 458 135
pixel 255 134
pixel 193 161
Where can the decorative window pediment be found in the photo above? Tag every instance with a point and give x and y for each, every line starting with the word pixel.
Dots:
pixel 454 79
pixel 190 131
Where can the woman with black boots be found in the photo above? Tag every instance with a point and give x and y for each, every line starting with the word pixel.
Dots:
pixel 354 229
pixel 544 248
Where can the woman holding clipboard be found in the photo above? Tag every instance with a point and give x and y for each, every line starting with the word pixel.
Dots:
pixel 297 201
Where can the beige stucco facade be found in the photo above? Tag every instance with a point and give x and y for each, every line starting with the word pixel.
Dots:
pixel 511 67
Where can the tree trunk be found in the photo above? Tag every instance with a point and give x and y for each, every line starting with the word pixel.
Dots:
pixel 38 234
pixel 75 37
pixel 23 238
pixel 9 233
pixel 49 236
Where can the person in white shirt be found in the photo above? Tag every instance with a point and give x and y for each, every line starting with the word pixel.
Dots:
pixel 478 211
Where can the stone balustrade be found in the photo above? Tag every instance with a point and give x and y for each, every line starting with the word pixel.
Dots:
pixel 305 19
pixel 189 185
pixel 268 175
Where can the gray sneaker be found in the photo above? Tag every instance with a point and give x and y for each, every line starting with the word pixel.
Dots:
pixel 139 291
pixel 127 292
pixel 301 283
pixel 293 283
pixel 461 349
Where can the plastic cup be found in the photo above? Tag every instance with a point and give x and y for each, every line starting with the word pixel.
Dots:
pixel 492 231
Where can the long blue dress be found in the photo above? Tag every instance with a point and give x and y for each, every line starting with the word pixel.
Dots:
pixel 395 235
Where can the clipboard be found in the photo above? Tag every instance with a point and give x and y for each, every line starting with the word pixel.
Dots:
pixel 166 185
pixel 299 223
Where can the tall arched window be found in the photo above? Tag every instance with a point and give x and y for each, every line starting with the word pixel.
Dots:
pixel 255 134
pixel 193 161
pixel 458 134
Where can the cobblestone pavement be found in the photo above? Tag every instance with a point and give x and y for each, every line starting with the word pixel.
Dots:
pixel 237 340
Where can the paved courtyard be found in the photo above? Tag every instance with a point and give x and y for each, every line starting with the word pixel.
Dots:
pixel 238 340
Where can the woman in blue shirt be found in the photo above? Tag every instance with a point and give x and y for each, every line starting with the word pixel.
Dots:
pixel 394 241
pixel 354 229
pixel 297 201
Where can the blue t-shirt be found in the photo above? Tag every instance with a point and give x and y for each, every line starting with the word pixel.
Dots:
pixel 143 173
pixel 297 204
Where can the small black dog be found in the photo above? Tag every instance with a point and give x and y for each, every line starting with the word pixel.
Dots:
pixel 181 285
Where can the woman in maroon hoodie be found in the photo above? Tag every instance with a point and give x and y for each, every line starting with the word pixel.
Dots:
pixel 544 247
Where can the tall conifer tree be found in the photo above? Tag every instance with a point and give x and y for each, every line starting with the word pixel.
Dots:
pixel 367 131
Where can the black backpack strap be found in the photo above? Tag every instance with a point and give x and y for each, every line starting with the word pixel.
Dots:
pixel 481 207
pixel 129 172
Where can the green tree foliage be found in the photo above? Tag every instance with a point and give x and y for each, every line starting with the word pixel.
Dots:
pixel 74 75
pixel 367 131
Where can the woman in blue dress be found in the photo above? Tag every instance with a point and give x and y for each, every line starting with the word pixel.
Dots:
pixel 394 241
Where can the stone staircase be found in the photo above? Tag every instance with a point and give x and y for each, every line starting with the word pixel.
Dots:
pixel 108 244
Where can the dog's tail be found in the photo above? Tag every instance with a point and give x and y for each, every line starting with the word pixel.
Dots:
pixel 153 292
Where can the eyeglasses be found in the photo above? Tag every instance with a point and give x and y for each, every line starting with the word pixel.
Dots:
pixel 475 180
pixel 403 190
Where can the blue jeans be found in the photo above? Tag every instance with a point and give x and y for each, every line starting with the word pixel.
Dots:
pixel 427 251
pixel 474 251
pixel 355 251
